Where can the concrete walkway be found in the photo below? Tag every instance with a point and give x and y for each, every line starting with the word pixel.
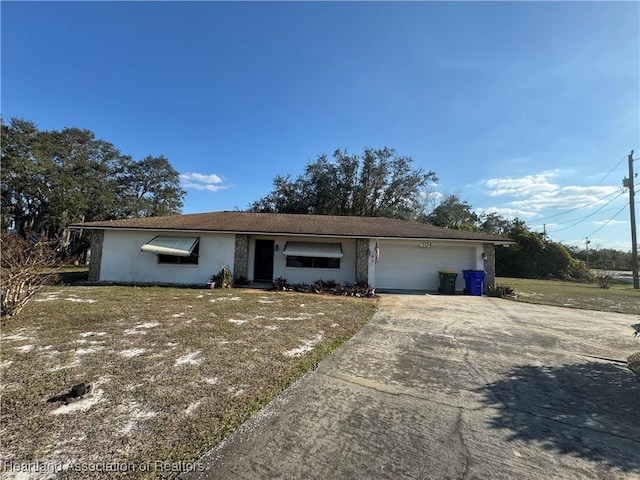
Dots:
pixel 438 387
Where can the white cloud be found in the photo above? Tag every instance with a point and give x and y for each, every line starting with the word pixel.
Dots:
pixel 534 193
pixel 199 177
pixel 566 198
pixel 200 181
pixel 508 212
pixel 523 186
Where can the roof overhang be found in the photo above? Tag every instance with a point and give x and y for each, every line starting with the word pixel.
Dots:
pixel 176 246
pixel 504 242
pixel 313 249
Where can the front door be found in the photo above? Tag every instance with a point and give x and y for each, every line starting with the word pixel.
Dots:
pixel 263 265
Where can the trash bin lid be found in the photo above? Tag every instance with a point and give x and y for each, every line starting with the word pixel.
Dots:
pixel 448 271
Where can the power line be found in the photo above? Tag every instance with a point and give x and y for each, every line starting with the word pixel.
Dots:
pixel 607 222
pixel 576 208
pixel 562 241
pixel 595 201
pixel 611 171
pixel 592 233
pixel 591 214
pixel 616 166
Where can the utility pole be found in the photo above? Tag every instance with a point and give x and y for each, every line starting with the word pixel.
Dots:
pixel 587 243
pixel 628 182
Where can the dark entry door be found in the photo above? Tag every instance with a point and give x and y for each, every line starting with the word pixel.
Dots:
pixel 263 265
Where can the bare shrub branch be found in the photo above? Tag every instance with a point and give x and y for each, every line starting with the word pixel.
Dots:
pixel 604 277
pixel 25 268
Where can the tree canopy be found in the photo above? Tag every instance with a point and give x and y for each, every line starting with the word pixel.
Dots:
pixel 453 212
pixel 377 183
pixel 51 179
pixel 603 258
pixel 535 256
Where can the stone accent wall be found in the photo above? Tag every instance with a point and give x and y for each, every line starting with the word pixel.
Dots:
pixel 241 257
pixel 97 240
pixel 489 250
pixel 362 260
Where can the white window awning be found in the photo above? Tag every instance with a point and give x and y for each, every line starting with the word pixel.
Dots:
pixel 176 246
pixel 306 249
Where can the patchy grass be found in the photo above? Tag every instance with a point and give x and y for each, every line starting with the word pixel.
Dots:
pixel 173 372
pixel 621 297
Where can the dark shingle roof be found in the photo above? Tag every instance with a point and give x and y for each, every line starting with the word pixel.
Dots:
pixel 282 224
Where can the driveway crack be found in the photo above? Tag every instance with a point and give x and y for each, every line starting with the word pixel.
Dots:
pixel 449 325
pixel 457 430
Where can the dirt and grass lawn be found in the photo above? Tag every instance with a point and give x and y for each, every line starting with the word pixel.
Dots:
pixel 173 371
pixel 621 297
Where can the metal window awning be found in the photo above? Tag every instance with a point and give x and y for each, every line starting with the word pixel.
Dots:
pixel 176 246
pixel 307 249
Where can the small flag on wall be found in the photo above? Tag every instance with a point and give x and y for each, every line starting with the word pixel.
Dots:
pixel 376 253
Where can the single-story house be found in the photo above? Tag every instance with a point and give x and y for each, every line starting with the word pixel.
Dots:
pixel 188 249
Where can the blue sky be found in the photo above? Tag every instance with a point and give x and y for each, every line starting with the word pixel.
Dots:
pixel 527 109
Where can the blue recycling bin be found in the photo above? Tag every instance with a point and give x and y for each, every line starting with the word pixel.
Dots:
pixel 474 281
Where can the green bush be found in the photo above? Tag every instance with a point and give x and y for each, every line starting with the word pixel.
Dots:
pixel 534 256
pixel 577 270
pixel 241 280
pixel 326 286
pixel 500 291
pixel 280 283
pixel 223 278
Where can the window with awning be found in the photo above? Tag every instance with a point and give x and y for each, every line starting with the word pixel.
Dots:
pixel 308 249
pixel 313 255
pixel 180 250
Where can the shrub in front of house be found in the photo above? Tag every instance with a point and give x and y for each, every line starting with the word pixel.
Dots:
pixel 330 287
pixel 240 280
pixel 500 291
pixel 222 279
pixel 26 267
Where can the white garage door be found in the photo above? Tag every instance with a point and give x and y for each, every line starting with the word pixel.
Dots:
pixel 411 267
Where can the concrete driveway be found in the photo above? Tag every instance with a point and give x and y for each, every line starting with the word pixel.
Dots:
pixel 439 387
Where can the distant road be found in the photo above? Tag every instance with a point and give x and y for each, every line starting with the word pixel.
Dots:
pixel 626 277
